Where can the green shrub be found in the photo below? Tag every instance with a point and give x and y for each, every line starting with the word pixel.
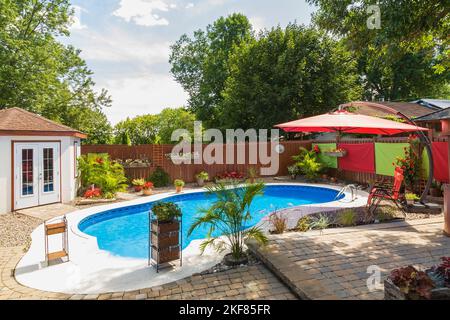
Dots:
pixel 202 175
pixel 166 211
pixel 347 218
pixel 303 224
pixel 160 178
pixel 308 163
pixel 99 170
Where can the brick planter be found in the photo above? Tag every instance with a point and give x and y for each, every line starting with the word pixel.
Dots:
pixel 165 242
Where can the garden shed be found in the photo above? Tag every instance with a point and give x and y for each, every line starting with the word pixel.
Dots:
pixel 38 160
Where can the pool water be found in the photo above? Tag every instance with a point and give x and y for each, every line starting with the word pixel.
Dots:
pixel 124 231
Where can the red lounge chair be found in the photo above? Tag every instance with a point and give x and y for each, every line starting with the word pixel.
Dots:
pixel 383 192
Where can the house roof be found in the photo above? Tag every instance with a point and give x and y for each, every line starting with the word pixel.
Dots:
pixel 434 103
pixel 435 116
pixel 411 110
pixel 16 121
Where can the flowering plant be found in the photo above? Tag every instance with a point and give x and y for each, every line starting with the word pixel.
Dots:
pixel 148 185
pixel 93 193
pixel 230 175
pixel 316 148
pixel 409 164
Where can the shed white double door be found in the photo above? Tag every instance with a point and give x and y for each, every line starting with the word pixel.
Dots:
pixel 36 174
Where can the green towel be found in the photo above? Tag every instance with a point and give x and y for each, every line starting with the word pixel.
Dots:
pixel 327 161
pixel 386 154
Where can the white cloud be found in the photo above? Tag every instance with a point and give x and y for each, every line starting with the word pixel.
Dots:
pixel 142 12
pixel 117 46
pixel 258 23
pixel 142 94
pixel 76 18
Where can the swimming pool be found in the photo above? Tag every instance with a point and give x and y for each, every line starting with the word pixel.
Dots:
pixel 124 231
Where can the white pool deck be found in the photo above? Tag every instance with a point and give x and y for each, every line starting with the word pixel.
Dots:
pixel 93 271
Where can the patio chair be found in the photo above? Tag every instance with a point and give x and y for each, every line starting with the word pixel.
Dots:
pixel 387 192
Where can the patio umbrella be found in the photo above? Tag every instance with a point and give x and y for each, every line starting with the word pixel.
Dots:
pixel 342 121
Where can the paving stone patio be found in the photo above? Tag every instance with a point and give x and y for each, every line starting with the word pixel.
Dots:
pixel 333 265
pixel 252 282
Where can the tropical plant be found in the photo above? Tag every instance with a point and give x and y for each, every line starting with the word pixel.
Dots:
pixel 278 223
pixel 160 178
pixel 413 283
pixel 252 174
pixel 304 224
pixel 310 166
pixel 347 218
pixel 292 170
pixel 178 183
pixel 230 214
pixel 166 211
pixel 99 170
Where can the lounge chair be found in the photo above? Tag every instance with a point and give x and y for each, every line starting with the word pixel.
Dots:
pixel 386 192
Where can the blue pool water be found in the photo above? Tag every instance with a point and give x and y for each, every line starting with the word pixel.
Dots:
pixel 124 231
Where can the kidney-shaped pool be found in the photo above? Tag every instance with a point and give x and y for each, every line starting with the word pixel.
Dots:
pixel 124 231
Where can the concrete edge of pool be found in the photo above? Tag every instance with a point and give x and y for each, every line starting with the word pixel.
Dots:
pixel 93 271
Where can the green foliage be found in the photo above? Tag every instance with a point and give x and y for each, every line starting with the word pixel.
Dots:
pixel 202 175
pixel 230 214
pixel 385 213
pixel 320 222
pixel 347 218
pixel 293 170
pixel 99 170
pixel 307 163
pixel 201 64
pixel 286 74
pixel 41 74
pixel 304 224
pixel 411 196
pixel 160 178
pixel 178 183
pixel 166 211
pixel 408 57
pixel 138 182
pixel 150 129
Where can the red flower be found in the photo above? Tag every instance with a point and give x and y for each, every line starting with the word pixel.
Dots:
pixel 93 193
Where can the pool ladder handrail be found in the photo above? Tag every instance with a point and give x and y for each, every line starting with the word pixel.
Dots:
pixel 353 189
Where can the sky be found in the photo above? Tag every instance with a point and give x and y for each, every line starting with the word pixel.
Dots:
pixel 126 43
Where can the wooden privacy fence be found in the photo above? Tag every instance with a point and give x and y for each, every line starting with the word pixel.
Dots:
pixel 159 156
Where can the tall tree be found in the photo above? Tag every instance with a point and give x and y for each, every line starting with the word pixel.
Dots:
pixel 42 75
pixel 285 74
pixel 149 129
pixel 201 64
pixel 403 57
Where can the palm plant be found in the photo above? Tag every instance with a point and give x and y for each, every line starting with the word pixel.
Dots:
pixel 229 214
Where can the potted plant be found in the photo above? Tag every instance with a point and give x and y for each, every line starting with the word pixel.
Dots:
pixel 138 184
pixel 148 188
pixel 179 184
pixel 338 152
pixel 201 178
pixel 411 198
pixel 165 227
pixel 231 213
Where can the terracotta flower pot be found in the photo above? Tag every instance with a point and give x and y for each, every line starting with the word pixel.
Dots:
pixel 147 192
pixel 137 188
pixel 179 189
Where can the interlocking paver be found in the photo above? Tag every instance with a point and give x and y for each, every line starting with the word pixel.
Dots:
pixel 334 265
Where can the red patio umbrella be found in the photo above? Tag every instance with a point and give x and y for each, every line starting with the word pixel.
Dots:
pixel 346 122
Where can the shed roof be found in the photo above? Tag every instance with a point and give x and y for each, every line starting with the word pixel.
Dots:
pixel 411 110
pixel 16 121
pixel 435 116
